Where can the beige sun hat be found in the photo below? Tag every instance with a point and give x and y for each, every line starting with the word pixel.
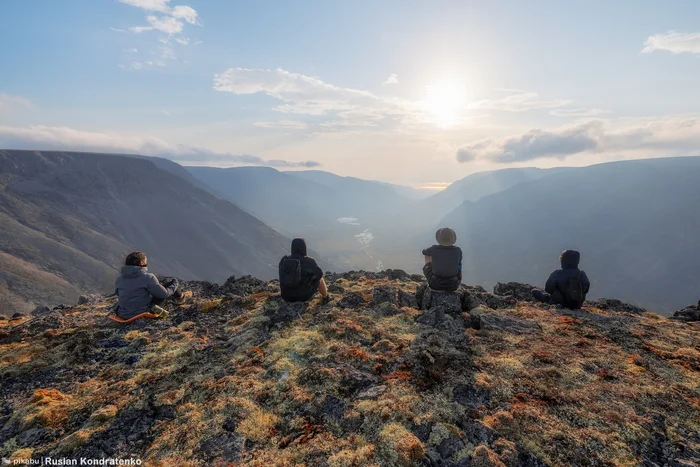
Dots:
pixel 446 236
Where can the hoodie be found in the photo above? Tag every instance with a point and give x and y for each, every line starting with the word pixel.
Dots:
pixel 569 268
pixel 136 287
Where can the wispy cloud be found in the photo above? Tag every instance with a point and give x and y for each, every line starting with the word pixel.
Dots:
pixel 519 102
pixel 171 21
pixel 307 95
pixel 674 42
pixel 283 124
pixel 10 103
pixel 579 112
pixel 70 139
pixel 391 79
pixel 669 136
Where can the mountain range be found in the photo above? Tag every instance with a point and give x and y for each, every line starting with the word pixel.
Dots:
pixel 69 219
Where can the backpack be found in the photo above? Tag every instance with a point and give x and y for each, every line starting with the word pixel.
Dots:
pixel 290 273
pixel 573 292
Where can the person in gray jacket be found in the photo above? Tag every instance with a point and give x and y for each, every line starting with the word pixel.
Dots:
pixel 140 291
pixel 567 286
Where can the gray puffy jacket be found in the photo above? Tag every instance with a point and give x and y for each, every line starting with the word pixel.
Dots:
pixel 136 287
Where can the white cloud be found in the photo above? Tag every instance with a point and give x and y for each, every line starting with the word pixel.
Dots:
pixel 151 5
pixel 283 124
pixel 140 29
pixel 519 102
pixel 580 112
pixel 185 12
pixel 69 139
pixel 10 103
pixel 172 22
pixel 674 42
pixel 663 136
pixel 392 79
pixel 166 24
pixel 307 95
pixel 349 220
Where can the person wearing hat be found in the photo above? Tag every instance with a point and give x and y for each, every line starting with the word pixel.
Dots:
pixel 567 286
pixel 443 262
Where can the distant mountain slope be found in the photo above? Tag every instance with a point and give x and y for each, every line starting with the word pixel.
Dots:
pixel 476 186
pixel 636 224
pixel 339 182
pixel 75 216
pixel 328 210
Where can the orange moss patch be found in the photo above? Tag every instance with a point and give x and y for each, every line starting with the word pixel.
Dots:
pixel 398 446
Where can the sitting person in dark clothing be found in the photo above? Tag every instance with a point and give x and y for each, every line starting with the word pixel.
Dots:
pixel 140 291
pixel 567 286
pixel 443 262
pixel 300 276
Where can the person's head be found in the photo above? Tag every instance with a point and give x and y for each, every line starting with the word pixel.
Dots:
pixel 299 246
pixel 136 258
pixel 570 258
pixel 446 236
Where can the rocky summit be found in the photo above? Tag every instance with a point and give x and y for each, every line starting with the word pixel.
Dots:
pixel 388 373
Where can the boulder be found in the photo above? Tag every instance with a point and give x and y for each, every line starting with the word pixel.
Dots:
pixel 521 292
pixel 438 318
pixel 41 311
pixel 280 312
pixel 18 315
pixel 450 301
pixel 689 313
pixel 407 299
pixel 611 304
pixel 89 299
pixel 351 300
pixel 396 274
pixel 385 294
pixel 503 322
pixel 470 395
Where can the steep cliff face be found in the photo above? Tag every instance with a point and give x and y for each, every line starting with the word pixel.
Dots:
pixel 387 374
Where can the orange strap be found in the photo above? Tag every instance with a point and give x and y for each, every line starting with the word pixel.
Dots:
pixel 131 320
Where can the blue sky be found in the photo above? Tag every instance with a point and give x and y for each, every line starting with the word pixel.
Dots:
pixel 413 92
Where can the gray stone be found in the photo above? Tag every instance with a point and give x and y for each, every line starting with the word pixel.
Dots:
pixel 351 300
pixel 450 301
pixel 385 294
pixel 521 292
pixel 407 299
pixel 503 322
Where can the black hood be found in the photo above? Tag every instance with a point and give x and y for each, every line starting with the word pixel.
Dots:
pixel 570 259
pixel 299 247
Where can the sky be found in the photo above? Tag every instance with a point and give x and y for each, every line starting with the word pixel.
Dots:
pixel 411 92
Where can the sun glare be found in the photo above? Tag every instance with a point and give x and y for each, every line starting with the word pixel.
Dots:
pixel 446 101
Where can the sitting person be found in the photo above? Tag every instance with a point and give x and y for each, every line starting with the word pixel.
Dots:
pixel 443 262
pixel 567 286
pixel 140 291
pixel 300 276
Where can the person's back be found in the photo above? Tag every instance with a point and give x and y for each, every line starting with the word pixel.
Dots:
pixel 567 286
pixel 443 267
pixel 137 289
pixel 300 276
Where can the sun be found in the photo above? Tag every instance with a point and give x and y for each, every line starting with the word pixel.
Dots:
pixel 446 102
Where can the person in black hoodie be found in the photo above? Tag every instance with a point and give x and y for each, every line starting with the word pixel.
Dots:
pixel 300 276
pixel 567 286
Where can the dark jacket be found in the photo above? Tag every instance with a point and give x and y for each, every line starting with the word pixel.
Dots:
pixel 569 268
pixel 446 260
pixel 136 287
pixel 311 274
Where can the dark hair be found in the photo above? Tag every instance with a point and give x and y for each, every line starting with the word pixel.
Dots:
pixel 299 246
pixel 136 258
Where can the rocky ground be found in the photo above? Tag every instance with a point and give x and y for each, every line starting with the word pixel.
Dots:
pixel 386 374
